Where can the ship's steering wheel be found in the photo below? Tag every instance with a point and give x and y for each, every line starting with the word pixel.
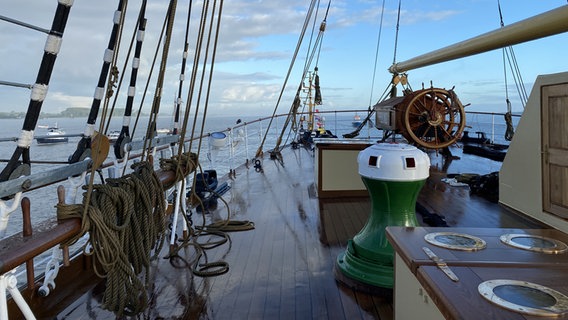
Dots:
pixel 433 118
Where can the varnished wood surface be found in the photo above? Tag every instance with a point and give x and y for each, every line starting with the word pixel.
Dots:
pixel 408 243
pixel 283 269
pixel 457 205
pixel 462 301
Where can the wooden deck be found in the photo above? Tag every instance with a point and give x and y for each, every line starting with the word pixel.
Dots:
pixel 283 269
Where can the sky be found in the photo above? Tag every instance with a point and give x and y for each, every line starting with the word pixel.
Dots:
pixel 257 42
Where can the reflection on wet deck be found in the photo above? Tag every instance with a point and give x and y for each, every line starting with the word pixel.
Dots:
pixel 283 269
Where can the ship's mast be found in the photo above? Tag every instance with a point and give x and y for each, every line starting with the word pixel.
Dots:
pixel 309 100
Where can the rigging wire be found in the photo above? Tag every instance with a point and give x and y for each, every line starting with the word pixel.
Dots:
pixel 151 128
pixel 310 54
pixel 377 54
pixel 179 100
pixel 315 52
pixel 396 33
pixel 509 56
pixel 396 78
pixel 124 136
pixel 150 73
pixel 298 45
pixel 84 145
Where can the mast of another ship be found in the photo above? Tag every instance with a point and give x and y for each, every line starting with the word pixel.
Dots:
pixel 309 101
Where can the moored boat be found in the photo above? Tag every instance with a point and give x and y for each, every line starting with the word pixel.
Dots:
pixel 54 135
pixel 356 121
pixel 113 135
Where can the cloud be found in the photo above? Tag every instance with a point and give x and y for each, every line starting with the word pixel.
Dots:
pixel 256 44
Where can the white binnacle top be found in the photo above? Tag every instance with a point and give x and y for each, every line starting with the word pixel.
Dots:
pixel 394 162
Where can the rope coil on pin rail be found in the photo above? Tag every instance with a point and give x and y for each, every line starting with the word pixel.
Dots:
pixel 182 165
pixel 125 220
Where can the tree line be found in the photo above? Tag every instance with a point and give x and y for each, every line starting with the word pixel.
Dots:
pixel 76 112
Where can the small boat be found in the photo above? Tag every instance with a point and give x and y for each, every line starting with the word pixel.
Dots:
pixel 54 136
pixel 164 131
pixel 356 121
pixel 483 147
pixel 113 135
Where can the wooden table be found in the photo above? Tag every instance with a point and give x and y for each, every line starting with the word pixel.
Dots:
pixel 423 291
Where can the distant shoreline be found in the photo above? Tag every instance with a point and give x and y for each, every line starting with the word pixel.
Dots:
pixel 67 113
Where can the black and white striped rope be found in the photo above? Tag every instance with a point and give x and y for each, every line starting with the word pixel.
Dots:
pixel 84 145
pixel 124 136
pixel 179 100
pixel 39 89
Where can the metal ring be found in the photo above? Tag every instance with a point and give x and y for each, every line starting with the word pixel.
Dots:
pixel 537 243
pixel 539 300
pixel 455 241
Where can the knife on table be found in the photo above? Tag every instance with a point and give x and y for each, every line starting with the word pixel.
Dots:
pixel 441 264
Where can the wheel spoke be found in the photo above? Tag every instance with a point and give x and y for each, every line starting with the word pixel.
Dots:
pixel 414 113
pixel 446 132
pixel 434 118
pixel 425 132
pixel 418 104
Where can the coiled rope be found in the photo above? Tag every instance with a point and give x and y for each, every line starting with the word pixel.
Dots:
pixel 125 219
pixel 217 229
pixel 183 164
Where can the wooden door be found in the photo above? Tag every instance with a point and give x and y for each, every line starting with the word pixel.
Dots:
pixel 555 149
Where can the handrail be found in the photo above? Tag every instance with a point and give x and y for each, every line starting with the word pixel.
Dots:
pixel 41 179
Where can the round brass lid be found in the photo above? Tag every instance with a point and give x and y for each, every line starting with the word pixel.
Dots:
pixel 534 243
pixel 524 297
pixel 456 241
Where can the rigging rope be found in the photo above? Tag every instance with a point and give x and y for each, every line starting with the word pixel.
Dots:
pixel 124 136
pixel 298 44
pixel 314 52
pixel 219 267
pixel 509 55
pixel 377 54
pixel 125 219
pixel 151 128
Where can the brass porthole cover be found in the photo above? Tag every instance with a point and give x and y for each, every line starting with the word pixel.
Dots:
pixel 455 241
pixel 524 297
pixel 534 243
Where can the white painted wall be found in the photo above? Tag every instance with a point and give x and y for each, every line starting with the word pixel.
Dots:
pixel 520 178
